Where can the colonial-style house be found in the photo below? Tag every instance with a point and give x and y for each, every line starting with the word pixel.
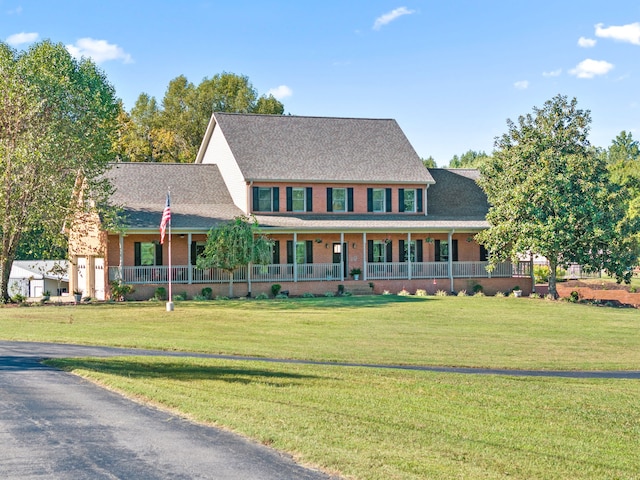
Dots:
pixel 336 195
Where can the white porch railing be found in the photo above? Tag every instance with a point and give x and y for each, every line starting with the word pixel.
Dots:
pixel 316 272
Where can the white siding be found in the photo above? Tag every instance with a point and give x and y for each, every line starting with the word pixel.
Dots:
pixel 218 152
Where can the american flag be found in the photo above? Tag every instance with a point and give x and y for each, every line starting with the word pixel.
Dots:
pixel 166 218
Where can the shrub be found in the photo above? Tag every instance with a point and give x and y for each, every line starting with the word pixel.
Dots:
pixel 441 293
pixel 222 297
pixel 329 294
pixel 535 295
pixel 308 295
pixel 160 293
pixel 421 293
pixel 119 290
pixel 275 289
pixel 347 294
pixel 477 288
pixel 462 293
pixel 574 297
pixel 262 296
pixel 340 289
pixel 550 297
pixel 200 298
pixel 499 294
pixel 404 293
pixel 479 294
pixel 207 293
pixel 19 298
pixel 282 295
pixel 633 289
pixel 386 292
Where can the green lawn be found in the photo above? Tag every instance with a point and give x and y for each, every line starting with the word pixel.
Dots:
pixel 370 423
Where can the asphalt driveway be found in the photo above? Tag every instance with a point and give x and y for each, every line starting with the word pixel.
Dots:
pixel 54 425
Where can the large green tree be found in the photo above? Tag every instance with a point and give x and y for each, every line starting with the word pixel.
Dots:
pixel 235 244
pixel 174 131
pixel 551 195
pixel 469 159
pixel 57 124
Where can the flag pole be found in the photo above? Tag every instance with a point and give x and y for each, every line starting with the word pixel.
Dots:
pixel 164 223
pixel 170 302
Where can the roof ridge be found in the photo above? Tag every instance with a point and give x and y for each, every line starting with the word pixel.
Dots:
pixel 301 116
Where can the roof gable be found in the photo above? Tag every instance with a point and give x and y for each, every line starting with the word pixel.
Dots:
pixel 319 149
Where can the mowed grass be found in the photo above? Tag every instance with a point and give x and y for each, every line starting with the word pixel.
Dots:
pixel 451 331
pixel 376 423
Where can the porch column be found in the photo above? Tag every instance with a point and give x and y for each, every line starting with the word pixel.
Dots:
pixel 450 259
pixel 409 250
pixel 189 259
pixel 364 255
pixel 121 259
pixel 295 262
pixel 342 256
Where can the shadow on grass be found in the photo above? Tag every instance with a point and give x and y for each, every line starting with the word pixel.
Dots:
pixel 317 302
pixel 176 371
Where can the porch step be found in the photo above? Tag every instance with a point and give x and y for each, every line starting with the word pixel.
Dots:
pixel 358 289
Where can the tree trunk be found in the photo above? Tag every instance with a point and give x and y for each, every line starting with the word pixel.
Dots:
pixel 5 273
pixel 231 284
pixel 553 263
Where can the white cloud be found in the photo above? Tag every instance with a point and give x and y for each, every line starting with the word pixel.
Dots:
pixel 552 73
pixel 280 92
pixel 383 20
pixel 590 68
pixel 15 11
pixel 98 50
pixel 21 38
pixel 624 33
pixel 522 84
pixel 585 42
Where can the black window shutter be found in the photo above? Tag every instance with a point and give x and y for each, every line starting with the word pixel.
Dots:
pixel 401 199
pixel 137 256
pixel 276 199
pixel 329 199
pixel 402 252
pixel 437 250
pixel 289 251
pixel 350 199
pixel 309 205
pixel 276 252
pixel 419 200
pixel 193 253
pixel 454 251
pixel 309 251
pixel 369 251
pixel 369 199
pixel 256 200
pixel 484 253
pixel 158 254
pixel 419 256
pixel 388 199
pixel 389 252
pixel 289 199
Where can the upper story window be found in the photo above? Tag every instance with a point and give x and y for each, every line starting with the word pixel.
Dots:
pixel 339 199
pixel 299 199
pixel 410 199
pixel 378 199
pixel 266 199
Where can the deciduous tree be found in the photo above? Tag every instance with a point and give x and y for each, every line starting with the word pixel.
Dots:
pixel 57 124
pixel 235 244
pixel 551 195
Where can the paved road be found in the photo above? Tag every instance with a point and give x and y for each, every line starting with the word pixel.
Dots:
pixel 54 425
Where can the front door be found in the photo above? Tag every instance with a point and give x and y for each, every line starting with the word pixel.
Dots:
pixel 337 249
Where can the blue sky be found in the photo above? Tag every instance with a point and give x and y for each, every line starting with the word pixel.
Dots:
pixel 450 72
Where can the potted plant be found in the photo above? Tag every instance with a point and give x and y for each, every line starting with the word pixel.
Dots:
pixel 46 296
pixel 355 273
pixel 77 295
pixel 516 291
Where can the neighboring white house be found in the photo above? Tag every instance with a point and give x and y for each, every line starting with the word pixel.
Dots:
pixel 32 278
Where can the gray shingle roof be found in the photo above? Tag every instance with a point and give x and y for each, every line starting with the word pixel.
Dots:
pixel 199 197
pixel 456 195
pixel 321 149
